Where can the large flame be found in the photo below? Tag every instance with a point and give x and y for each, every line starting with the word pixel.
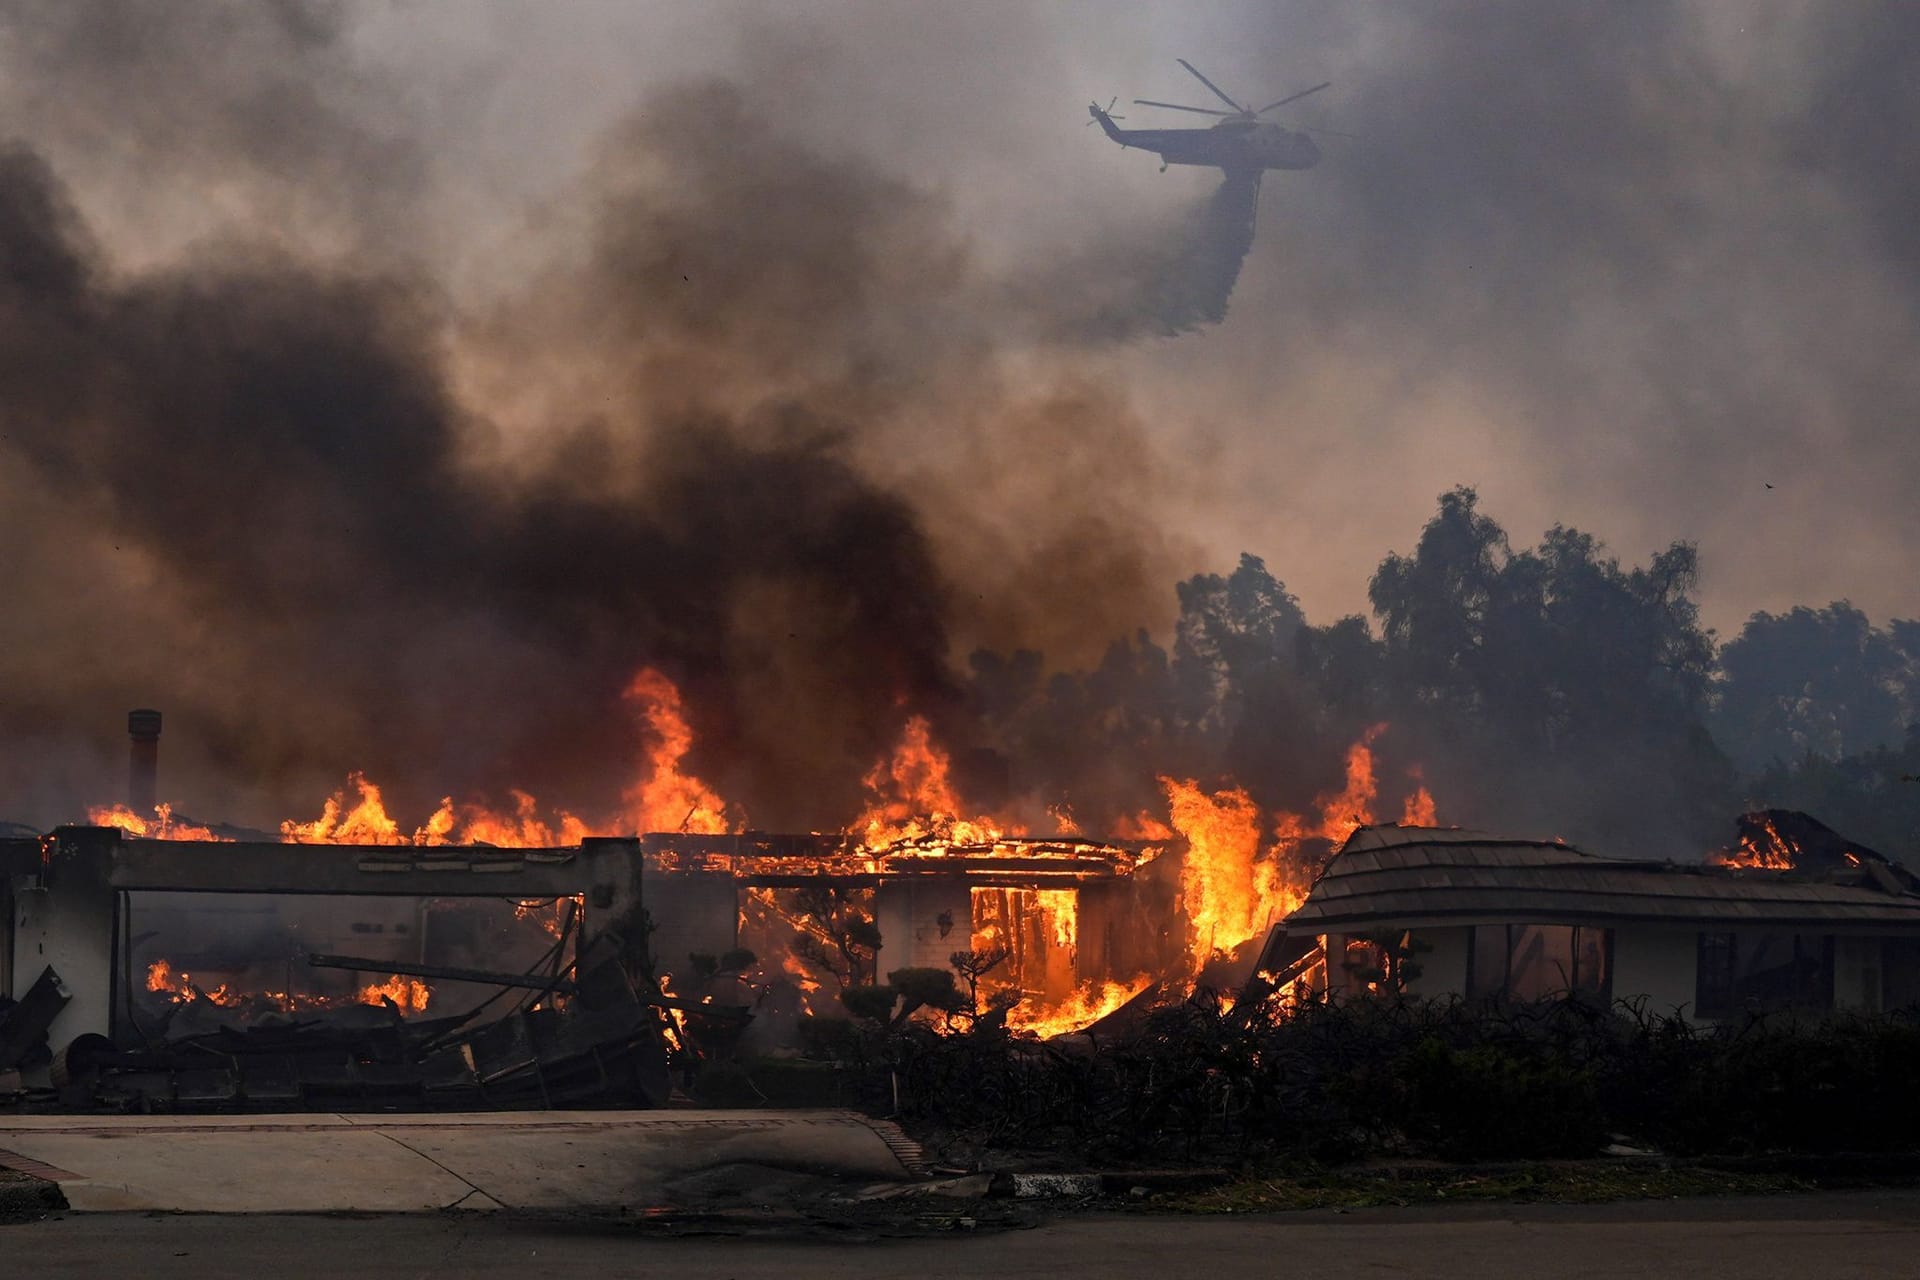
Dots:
pixel 1086 1006
pixel 1766 849
pixel 665 799
pixel 1419 810
pixel 1219 889
pixel 669 800
pixel 162 826
pixel 912 796
pixel 1232 888
pixel 360 821
pixel 409 995
pixel 1244 868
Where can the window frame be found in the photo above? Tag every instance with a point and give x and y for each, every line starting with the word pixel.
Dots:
pixel 1504 990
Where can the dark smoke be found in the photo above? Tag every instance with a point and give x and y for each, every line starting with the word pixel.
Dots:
pixel 745 402
pixel 284 448
pixel 704 447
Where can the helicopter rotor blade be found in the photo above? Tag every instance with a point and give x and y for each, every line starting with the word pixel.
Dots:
pixel 1293 98
pixel 1238 109
pixel 1174 106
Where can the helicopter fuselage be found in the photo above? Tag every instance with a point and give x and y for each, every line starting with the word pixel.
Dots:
pixel 1233 145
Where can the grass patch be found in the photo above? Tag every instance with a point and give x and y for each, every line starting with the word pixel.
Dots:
pixel 1558 1183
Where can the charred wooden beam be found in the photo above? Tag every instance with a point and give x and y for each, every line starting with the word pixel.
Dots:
pixel 444 972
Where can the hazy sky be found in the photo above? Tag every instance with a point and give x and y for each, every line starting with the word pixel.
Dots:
pixel 1616 266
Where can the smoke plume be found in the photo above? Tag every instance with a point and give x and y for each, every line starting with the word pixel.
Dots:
pixel 744 417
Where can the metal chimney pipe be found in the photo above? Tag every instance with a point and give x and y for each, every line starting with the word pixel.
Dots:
pixel 143 763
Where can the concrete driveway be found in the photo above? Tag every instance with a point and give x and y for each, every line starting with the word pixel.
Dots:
pixel 628 1161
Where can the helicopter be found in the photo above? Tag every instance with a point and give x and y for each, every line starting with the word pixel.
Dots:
pixel 1241 143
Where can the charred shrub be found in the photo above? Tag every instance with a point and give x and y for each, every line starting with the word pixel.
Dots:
pixel 1494 1101
pixel 1329 1082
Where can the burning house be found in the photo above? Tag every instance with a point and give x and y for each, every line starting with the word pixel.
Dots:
pixel 145 930
pixel 1791 916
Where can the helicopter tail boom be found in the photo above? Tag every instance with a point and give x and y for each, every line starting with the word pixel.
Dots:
pixel 1107 125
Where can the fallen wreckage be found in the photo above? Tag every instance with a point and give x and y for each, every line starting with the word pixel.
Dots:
pixel 592 1027
pixel 209 974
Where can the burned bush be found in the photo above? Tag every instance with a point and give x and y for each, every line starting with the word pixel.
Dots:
pixel 1454 1079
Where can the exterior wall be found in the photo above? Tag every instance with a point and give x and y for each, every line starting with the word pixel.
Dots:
pixel 1857 974
pixel 1334 947
pixel 6 933
pixel 922 922
pixel 696 911
pixel 66 921
pixel 1657 965
pixel 1443 968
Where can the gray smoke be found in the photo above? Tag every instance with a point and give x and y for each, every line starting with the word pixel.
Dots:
pixel 382 387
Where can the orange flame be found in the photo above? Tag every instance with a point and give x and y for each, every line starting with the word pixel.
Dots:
pixel 1218 888
pixel 913 796
pixel 522 829
pixel 1230 888
pixel 1086 1006
pixel 409 995
pixel 160 978
pixel 1346 811
pixel 1767 851
pixel 669 800
pixel 180 987
pixel 161 826
pixel 364 821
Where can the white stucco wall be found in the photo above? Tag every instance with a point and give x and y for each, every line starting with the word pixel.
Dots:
pixel 1656 965
pixel 1443 969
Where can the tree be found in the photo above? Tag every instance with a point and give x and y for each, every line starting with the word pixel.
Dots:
pixel 1234 635
pixel 906 992
pixel 1825 682
pixel 1551 684
pixel 840 936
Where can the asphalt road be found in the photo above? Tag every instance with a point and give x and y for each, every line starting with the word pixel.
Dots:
pixel 1873 1233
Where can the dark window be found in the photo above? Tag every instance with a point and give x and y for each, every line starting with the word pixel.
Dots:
pixel 1762 970
pixel 1487 963
pixel 1540 961
pixel 1713 975
pixel 1900 973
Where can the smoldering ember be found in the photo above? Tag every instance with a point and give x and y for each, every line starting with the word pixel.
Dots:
pixel 799 621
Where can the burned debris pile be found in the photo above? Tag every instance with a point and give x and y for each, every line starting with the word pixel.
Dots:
pixel 607 1046
pixel 24 1024
pixel 184 977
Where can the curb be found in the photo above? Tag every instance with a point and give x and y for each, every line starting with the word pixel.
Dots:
pixel 28 1199
pixel 1085 1186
